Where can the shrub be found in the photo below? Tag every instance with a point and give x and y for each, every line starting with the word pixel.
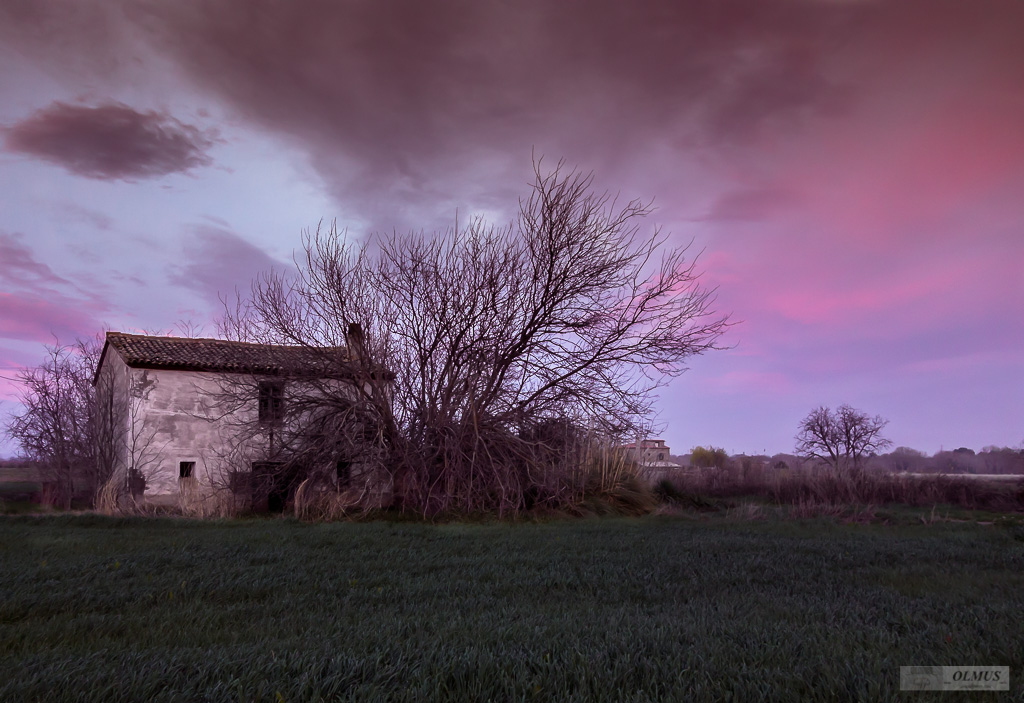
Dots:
pixel 707 457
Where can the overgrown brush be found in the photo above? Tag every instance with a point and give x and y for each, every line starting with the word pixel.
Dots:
pixel 626 495
pixel 828 491
pixel 316 501
pixel 554 467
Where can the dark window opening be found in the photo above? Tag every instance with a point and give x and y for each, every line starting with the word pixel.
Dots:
pixel 185 469
pixel 344 470
pixel 661 457
pixel 271 402
pixel 136 483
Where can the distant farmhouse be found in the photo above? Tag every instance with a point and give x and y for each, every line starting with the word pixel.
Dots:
pixel 653 456
pixel 191 420
pixel 650 452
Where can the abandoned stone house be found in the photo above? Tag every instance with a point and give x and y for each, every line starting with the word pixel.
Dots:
pixel 195 419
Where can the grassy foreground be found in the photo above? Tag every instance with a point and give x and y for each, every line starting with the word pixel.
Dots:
pixel 617 609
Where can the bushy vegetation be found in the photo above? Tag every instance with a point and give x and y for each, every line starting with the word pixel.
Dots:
pixel 706 457
pixel 829 489
pixel 627 609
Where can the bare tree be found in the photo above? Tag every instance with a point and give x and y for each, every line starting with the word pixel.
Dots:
pixel 903 459
pixel 57 428
pixel 79 426
pixel 841 439
pixel 568 314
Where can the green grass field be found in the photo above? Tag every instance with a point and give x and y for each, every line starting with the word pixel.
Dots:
pixel 655 609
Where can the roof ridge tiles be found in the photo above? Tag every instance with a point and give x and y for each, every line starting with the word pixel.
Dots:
pixel 217 355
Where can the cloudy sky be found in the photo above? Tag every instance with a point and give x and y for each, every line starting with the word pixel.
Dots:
pixel 853 171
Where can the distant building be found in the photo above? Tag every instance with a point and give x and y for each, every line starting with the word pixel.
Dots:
pixel 653 457
pixel 650 453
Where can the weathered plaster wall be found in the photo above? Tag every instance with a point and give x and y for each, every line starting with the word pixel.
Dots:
pixel 182 418
pixel 112 382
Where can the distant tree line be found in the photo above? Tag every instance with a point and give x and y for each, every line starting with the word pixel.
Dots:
pixel 849 440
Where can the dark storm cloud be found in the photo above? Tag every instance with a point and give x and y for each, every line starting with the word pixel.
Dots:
pixel 110 141
pixel 409 109
pixel 217 261
pixel 400 101
pixel 419 104
pixel 411 79
pixel 778 90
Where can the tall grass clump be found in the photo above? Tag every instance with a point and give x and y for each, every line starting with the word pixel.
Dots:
pixel 609 482
pixel 317 501
pixel 110 498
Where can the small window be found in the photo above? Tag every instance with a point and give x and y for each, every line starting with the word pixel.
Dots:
pixel 661 456
pixel 271 402
pixel 185 469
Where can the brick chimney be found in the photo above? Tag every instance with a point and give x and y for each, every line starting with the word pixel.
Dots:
pixel 356 343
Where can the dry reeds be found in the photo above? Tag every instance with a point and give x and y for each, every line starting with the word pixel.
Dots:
pixel 109 498
pixel 552 467
pixel 828 491
pixel 316 501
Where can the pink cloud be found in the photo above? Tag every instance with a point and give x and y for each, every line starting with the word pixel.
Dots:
pixel 11 363
pixel 37 301
pixel 19 266
pixel 815 304
pixel 38 320
pixel 899 181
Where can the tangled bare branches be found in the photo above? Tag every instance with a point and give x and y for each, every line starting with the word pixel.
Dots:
pixel 841 439
pixel 64 426
pixel 511 350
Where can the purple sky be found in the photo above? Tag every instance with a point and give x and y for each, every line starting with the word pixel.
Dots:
pixel 852 169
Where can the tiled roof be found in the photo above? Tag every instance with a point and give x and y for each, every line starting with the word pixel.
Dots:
pixel 217 355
